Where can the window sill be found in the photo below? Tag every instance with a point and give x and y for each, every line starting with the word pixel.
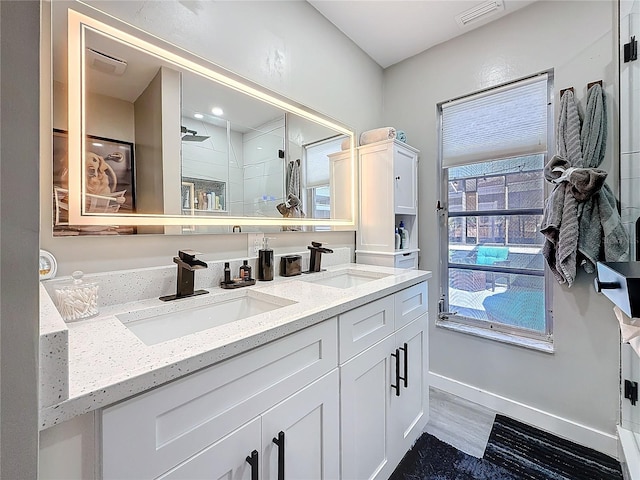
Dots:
pixel 545 346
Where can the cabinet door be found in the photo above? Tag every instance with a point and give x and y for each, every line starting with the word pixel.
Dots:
pixel 631 372
pixel 410 410
pixel 226 459
pixel 376 227
pixel 365 395
pixel 310 440
pixel 405 180
pixel 149 434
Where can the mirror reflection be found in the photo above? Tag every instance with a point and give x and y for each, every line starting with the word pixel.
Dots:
pixel 163 140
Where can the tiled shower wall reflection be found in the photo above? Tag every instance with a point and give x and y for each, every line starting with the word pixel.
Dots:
pixel 630 124
pixel 263 169
pixel 249 164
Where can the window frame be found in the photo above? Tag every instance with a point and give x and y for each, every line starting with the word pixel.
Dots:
pixel 485 328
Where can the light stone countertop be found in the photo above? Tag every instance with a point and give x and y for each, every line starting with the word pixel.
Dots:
pixel 108 363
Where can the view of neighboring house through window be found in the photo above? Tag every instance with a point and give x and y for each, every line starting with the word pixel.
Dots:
pixel 493 151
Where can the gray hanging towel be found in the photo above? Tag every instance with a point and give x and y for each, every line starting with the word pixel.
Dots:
pixel 601 232
pixel 560 216
pixel 293 182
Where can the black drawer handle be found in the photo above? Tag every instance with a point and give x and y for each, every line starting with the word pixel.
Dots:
pixel 405 350
pixel 253 461
pixel 397 385
pixel 279 441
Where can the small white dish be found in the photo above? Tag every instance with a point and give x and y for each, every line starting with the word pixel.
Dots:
pixel 48 265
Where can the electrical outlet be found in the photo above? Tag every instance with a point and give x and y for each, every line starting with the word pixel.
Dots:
pixel 254 243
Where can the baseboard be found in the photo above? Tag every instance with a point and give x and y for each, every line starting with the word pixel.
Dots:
pixel 629 453
pixel 562 427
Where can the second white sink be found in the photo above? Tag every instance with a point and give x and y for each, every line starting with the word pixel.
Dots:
pixel 343 278
pixel 157 325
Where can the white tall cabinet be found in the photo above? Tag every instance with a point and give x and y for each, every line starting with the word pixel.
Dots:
pixel 388 173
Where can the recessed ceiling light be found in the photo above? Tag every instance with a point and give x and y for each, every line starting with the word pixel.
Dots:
pixel 217 111
pixel 97 144
pixel 259 148
pixel 199 116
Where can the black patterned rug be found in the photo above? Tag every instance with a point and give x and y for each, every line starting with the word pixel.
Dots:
pixel 533 454
pixel 515 451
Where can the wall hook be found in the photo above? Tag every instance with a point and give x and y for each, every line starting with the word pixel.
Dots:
pixel 631 50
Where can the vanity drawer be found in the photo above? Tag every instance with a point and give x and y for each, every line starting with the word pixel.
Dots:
pixel 364 326
pixel 147 435
pixel 410 303
pixel 406 260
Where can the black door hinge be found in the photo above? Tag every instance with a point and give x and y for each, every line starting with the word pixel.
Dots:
pixel 631 391
pixel 631 50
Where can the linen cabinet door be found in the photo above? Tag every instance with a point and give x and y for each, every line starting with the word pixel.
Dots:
pixel 224 460
pixel 365 387
pixel 410 410
pixel 301 435
pixel 405 165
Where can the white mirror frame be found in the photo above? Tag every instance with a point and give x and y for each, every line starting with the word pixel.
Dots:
pixel 78 23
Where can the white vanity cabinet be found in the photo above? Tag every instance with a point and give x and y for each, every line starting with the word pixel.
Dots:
pixel 348 396
pixel 207 424
pixel 384 394
pixel 388 195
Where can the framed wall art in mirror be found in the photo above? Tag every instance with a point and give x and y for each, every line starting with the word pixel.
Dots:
pixel 109 180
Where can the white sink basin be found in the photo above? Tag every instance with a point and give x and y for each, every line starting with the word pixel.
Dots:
pixel 158 325
pixel 343 278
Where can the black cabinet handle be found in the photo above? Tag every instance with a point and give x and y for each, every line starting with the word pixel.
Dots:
pixel 397 385
pixel 253 461
pixel 279 441
pixel 405 350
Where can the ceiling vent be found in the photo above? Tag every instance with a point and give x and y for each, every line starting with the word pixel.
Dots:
pixel 478 12
pixel 105 63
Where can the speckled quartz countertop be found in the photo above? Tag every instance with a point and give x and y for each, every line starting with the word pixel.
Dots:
pixel 108 363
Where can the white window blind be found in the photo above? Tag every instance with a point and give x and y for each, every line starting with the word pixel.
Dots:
pixel 317 161
pixel 505 122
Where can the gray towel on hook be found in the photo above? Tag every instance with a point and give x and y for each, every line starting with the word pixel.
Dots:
pixel 293 182
pixel 602 235
pixel 560 216
pixel 583 183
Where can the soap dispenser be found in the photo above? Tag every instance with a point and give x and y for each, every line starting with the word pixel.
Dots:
pixel 265 261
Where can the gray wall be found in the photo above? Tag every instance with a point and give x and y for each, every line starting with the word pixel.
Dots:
pixel 19 111
pixel 287 47
pixel 579 41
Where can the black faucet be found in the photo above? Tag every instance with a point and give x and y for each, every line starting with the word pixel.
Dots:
pixel 187 264
pixel 316 256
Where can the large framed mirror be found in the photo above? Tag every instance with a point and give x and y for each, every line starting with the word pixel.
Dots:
pixel 154 139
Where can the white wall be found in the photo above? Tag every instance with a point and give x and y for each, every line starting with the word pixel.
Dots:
pixel 579 382
pixel 19 149
pixel 285 46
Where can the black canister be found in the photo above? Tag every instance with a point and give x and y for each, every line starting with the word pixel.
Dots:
pixel 290 265
pixel 265 262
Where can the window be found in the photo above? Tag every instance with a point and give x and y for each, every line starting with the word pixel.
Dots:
pixel 318 197
pixel 493 150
